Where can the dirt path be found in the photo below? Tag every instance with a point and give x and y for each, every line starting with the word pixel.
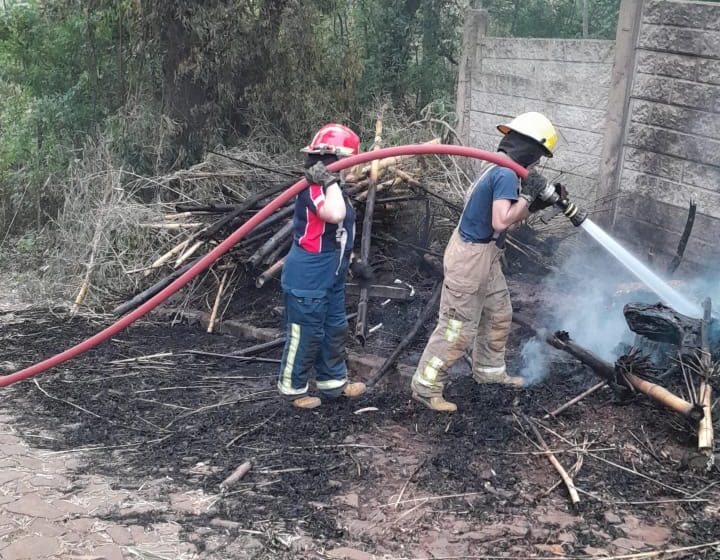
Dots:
pixel 49 511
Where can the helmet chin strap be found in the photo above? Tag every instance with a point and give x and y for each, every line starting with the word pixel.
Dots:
pixel 521 149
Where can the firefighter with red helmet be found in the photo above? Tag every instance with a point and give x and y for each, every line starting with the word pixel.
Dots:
pixel 313 278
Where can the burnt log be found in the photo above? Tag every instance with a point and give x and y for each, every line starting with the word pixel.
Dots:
pixel 607 371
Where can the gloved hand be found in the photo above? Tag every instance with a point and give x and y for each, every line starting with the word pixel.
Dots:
pixel 362 272
pixel 540 204
pixel 318 174
pixel 532 186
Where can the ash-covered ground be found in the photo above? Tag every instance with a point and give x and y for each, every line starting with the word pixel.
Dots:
pixel 394 480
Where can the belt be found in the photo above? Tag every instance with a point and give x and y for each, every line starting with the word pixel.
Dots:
pixel 497 238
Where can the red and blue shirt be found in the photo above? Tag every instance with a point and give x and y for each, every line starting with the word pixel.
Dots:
pixel 311 232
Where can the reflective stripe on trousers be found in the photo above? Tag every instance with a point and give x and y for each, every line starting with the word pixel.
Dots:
pixel 316 329
pixel 474 312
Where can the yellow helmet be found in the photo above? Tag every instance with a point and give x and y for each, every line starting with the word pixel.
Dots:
pixel 536 126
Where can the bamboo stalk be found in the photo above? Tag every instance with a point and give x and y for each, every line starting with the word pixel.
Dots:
pixel 166 257
pixel 705 429
pixel 607 371
pixel 216 305
pixel 281 249
pixel 172 225
pixel 361 323
pixel 189 253
pixel 271 272
pixel 383 163
pixel 97 235
pixel 271 243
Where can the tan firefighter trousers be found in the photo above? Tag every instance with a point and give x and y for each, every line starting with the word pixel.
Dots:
pixel 474 310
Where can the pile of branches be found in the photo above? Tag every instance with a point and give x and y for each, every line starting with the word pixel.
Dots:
pixel 397 185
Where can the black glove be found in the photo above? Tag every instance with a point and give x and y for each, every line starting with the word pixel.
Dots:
pixel 362 272
pixel 318 174
pixel 540 204
pixel 532 186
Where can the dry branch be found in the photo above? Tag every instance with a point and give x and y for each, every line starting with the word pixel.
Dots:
pixel 574 496
pixel 577 399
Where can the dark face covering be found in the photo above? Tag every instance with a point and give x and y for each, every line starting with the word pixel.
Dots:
pixel 312 159
pixel 521 149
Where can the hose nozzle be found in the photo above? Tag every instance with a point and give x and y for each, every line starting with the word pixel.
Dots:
pixel 552 193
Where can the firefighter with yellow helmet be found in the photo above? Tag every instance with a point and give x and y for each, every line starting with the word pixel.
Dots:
pixel 475 309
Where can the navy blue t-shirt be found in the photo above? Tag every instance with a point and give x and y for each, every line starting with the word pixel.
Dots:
pixel 496 183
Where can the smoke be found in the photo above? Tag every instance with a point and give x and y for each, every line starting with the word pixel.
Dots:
pixel 585 298
pixel 535 361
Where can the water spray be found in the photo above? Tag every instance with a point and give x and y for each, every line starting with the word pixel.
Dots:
pixel 552 194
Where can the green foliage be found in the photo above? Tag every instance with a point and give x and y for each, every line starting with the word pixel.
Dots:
pixel 57 83
pixel 552 18
pixel 163 81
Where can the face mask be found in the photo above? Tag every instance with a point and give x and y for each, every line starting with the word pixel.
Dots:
pixel 521 149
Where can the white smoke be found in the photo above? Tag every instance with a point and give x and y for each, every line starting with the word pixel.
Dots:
pixel 535 358
pixel 585 298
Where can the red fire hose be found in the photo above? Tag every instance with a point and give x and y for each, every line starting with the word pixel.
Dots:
pixel 242 231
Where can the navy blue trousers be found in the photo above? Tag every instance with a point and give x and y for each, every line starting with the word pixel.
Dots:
pixel 316 329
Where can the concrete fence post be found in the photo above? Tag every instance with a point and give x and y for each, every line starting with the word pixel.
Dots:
pixel 621 82
pixel 474 29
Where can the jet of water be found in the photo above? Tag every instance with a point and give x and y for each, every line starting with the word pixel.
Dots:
pixel 666 293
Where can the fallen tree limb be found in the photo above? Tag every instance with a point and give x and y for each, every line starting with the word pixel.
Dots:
pixel 424 316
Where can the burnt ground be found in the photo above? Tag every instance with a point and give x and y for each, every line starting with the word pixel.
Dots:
pixel 394 480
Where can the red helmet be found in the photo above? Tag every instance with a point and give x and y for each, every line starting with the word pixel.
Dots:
pixel 334 139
